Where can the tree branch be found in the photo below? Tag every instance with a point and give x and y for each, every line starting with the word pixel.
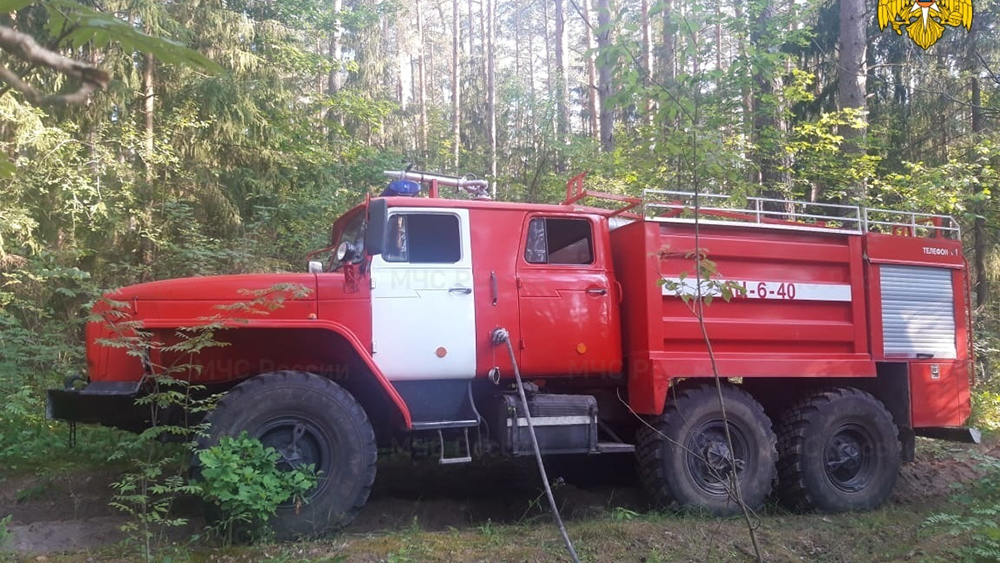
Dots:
pixel 25 47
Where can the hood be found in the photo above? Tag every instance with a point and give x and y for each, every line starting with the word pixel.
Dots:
pixel 243 287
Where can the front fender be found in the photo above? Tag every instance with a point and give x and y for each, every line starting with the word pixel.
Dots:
pixel 332 327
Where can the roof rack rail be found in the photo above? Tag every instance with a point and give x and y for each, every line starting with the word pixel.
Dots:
pixel 911 224
pixel 677 206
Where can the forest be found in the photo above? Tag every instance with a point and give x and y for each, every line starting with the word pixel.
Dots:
pixel 237 155
pixel 224 136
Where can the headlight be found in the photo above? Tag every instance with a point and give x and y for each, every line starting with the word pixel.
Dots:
pixel 342 250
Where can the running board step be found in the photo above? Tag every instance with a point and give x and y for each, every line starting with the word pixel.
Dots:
pixel 467 458
pixel 615 448
pixel 444 424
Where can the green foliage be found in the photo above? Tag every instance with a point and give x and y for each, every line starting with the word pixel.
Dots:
pixel 76 24
pixel 148 494
pixel 158 455
pixel 821 164
pixel 4 532
pixel 240 476
pixel 976 523
pixel 622 514
pixel 985 408
pixel 42 307
pixel 706 288
pixel 156 477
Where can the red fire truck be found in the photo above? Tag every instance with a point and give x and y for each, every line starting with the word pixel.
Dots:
pixel 847 334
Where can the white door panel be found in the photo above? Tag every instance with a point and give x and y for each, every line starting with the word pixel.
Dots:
pixel 423 314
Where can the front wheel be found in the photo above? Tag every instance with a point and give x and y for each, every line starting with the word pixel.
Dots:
pixel 839 451
pixel 686 459
pixel 308 420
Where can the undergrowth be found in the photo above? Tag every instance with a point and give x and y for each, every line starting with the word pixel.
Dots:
pixel 973 519
pixel 241 477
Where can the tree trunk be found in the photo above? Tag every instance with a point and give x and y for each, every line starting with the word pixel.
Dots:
pixel 471 26
pixel 979 243
pixel 148 108
pixel 769 124
pixel 491 108
pixel 336 79
pixel 483 8
pixel 667 49
pixel 532 98
pixel 851 75
pixel 592 107
pixel 746 92
pixel 647 58
pixel 549 85
pixel 421 81
pixel 456 107
pixel 562 84
pixel 604 76
pixel 718 34
pixel 980 236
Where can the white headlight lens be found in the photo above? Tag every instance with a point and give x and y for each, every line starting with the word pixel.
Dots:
pixel 342 251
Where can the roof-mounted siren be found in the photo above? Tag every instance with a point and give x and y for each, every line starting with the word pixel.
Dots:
pixel 478 189
pixel 405 188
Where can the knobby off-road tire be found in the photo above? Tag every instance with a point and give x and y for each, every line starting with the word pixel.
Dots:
pixel 334 435
pixel 685 461
pixel 839 451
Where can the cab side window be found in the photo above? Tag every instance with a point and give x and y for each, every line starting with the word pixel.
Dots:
pixel 423 238
pixel 559 241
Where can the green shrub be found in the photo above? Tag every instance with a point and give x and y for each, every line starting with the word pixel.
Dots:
pixel 241 478
pixel 4 532
pixel 976 519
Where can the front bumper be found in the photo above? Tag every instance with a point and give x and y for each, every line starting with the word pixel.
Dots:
pixel 110 403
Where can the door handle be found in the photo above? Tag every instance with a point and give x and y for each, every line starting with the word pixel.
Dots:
pixel 597 291
pixel 462 290
pixel 493 287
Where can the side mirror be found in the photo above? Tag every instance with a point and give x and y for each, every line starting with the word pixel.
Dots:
pixel 378 218
pixel 315 267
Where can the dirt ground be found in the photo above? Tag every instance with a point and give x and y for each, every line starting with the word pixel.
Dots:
pixel 71 512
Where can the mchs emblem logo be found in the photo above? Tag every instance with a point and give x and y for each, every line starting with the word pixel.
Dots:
pixel 924 20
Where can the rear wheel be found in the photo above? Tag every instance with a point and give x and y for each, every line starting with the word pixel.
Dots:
pixel 308 420
pixel 685 459
pixel 839 451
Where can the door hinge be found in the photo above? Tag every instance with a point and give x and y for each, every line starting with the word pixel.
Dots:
pixel 374 346
pixel 520 344
pixel 518 280
pixel 373 283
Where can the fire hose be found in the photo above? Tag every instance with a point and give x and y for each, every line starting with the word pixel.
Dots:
pixel 501 336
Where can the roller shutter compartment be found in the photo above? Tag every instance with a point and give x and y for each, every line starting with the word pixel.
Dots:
pixel 918 312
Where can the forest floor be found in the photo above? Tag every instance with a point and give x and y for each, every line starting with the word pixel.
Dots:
pixel 496 512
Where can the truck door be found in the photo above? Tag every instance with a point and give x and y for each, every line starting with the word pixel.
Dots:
pixel 423 307
pixel 569 323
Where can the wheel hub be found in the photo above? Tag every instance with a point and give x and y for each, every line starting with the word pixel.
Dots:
pixel 291 454
pixel 848 465
pixel 717 457
pixel 298 443
pixel 711 461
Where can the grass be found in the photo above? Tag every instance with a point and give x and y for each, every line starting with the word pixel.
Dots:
pixel 893 533
pixel 897 532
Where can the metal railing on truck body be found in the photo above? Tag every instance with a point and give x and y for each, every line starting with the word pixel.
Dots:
pixel 667 205
pixel 799 215
pixel 761 212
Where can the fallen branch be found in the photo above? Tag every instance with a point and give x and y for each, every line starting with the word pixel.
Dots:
pixel 24 47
